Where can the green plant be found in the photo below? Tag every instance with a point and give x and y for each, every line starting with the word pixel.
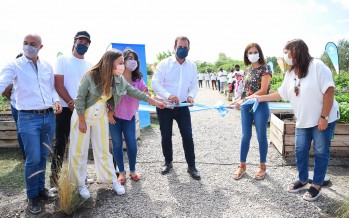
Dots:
pixel 344 111
pixel 4 103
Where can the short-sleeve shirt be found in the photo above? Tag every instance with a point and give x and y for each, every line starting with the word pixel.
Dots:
pixel 253 79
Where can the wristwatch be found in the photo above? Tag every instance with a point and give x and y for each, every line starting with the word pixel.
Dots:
pixel 324 117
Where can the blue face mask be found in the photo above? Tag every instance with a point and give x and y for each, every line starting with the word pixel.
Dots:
pixel 81 49
pixel 182 53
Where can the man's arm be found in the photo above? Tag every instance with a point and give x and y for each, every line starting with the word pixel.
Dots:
pixel 62 91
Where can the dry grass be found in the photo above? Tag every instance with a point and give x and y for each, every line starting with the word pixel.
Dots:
pixel 68 195
pixel 343 209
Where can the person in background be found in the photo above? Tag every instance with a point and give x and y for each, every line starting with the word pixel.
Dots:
pixel 238 84
pixel 68 73
pixel 36 101
pixel 8 93
pixel 213 78
pixel 89 121
pixel 175 81
pixel 207 80
pixel 122 120
pixel 222 74
pixel 231 80
pixel 256 81
pixel 200 78
pixel 309 86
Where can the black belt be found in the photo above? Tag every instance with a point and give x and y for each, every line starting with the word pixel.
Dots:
pixel 43 111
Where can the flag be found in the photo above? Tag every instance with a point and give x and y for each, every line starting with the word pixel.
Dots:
pixel 281 64
pixel 271 65
pixel 332 52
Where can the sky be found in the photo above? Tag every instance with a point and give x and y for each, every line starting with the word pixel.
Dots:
pixel 213 26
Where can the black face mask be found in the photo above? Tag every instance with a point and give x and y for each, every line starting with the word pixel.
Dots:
pixel 237 69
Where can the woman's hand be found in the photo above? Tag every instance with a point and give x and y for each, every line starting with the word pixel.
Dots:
pixel 111 117
pixel 238 104
pixel 82 126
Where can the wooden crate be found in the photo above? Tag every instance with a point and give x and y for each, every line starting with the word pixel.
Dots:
pixel 282 135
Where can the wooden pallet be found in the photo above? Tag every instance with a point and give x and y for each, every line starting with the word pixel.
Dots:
pixel 282 135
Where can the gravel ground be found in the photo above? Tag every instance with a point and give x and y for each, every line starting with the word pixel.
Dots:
pixel 176 194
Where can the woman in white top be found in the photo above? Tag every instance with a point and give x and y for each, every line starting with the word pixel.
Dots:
pixel 309 86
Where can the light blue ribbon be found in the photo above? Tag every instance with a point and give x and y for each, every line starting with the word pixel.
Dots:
pixel 220 107
pixel 253 101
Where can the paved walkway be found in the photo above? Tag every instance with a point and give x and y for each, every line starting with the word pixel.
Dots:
pixel 217 142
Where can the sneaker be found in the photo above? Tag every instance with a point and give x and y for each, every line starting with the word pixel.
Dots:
pixel 118 188
pixel 34 206
pixel 84 193
pixel 89 180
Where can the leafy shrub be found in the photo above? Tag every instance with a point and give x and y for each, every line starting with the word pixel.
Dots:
pixel 4 103
pixel 344 111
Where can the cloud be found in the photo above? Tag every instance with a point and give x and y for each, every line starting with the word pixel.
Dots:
pixel 317 6
pixel 344 3
pixel 343 21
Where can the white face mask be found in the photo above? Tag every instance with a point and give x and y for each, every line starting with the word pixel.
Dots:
pixel 253 58
pixel 288 60
pixel 119 70
pixel 30 51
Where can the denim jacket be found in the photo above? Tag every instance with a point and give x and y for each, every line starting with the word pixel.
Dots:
pixel 88 93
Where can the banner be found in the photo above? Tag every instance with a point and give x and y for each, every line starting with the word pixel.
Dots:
pixel 281 64
pixel 332 52
pixel 144 116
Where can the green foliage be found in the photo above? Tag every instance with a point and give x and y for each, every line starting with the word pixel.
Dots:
pixel 342 83
pixel 343 54
pixel 277 69
pixel 276 81
pixel 222 62
pixel 4 103
pixel 163 55
pixel 344 111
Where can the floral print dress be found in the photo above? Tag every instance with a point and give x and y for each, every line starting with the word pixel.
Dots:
pixel 253 79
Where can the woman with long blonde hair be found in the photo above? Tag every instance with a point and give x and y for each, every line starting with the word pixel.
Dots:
pixel 102 83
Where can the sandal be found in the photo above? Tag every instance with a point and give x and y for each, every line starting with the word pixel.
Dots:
pixel 261 172
pixel 122 180
pixel 312 194
pixel 297 186
pixel 239 173
pixel 135 177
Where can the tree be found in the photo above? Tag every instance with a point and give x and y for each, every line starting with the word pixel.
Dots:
pixel 276 66
pixel 343 56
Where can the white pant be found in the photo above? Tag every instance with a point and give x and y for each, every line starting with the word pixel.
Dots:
pixel 98 132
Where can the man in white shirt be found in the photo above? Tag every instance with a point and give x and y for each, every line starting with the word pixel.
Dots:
pixel 35 96
pixel 68 73
pixel 223 79
pixel 200 78
pixel 207 80
pixel 175 81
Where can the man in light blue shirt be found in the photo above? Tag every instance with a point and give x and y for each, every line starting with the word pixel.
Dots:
pixel 36 101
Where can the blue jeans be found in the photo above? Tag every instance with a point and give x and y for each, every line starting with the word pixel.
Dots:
pixel 128 128
pixel 260 118
pixel 15 117
pixel 322 143
pixel 36 130
pixel 182 117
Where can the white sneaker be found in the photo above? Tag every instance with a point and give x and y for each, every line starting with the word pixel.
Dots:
pixel 84 193
pixel 118 188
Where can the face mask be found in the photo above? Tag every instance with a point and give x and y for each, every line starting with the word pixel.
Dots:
pixel 131 65
pixel 30 51
pixel 287 59
pixel 119 70
pixel 182 53
pixel 253 58
pixel 81 49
